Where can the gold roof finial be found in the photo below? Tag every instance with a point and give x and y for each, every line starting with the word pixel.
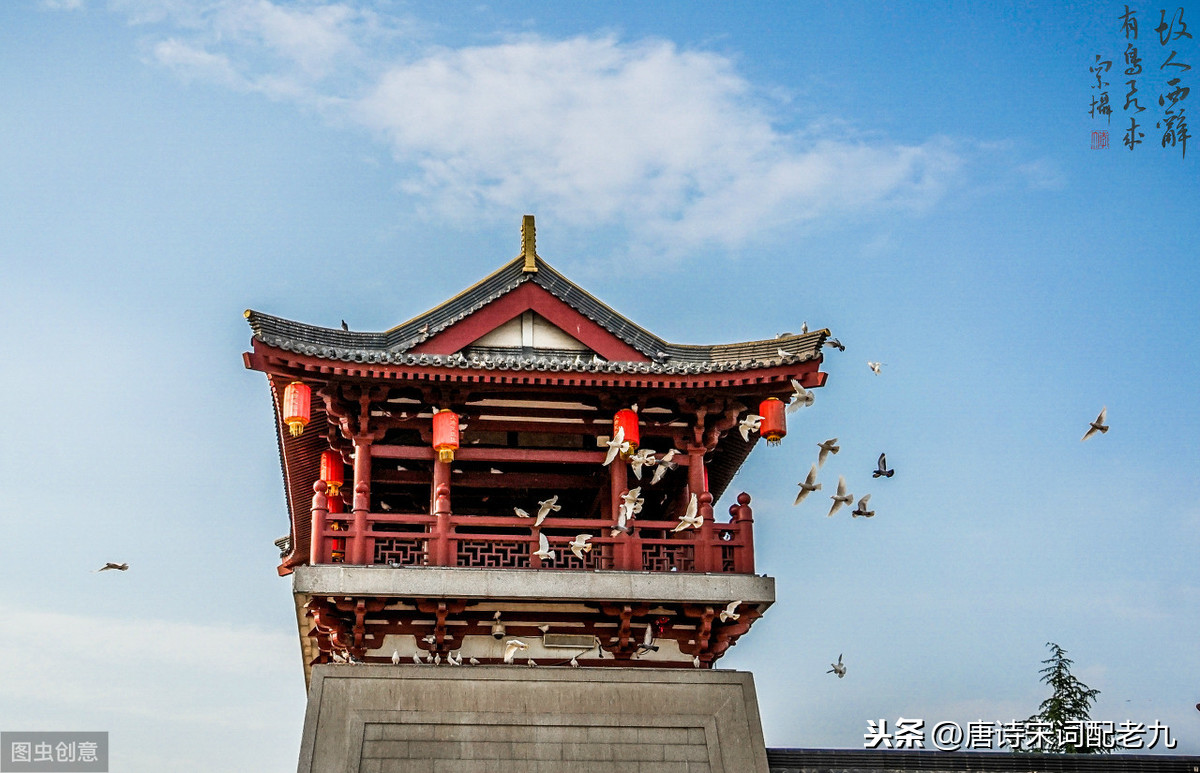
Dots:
pixel 529 245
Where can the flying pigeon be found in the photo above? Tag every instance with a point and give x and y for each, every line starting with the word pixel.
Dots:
pixel 730 611
pixel 749 424
pixel 881 468
pixel 631 502
pixel 395 657
pixel 861 511
pixel 580 545
pixel 691 517
pixel 837 668
pixel 621 521
pixel 801 397
pixel 544 552
pixel 616 445
pixel 663 465
pixel 643 458
pixel 545 507
pixel 511 647
pixel 875 366
pixel 830 446
pixel 807 486
pixel 521 513
pixel 841 497
pixel 1097 426
pixel 836 344
pixel 111 565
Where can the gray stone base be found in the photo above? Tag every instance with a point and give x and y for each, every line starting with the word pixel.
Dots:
pixel 492 719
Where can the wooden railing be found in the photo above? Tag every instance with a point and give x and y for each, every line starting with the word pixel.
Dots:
pixel 445 539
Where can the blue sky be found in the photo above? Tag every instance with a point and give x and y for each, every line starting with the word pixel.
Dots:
pixel 918 178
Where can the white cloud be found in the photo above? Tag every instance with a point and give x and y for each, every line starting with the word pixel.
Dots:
pixel 193 62
pixel 90 660
pixel 675 144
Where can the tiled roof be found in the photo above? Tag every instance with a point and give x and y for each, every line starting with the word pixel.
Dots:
pixel 393 346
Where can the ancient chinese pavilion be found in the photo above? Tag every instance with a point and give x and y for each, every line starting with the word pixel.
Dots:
pixel 440 475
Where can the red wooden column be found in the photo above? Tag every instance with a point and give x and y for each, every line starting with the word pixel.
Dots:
pixel 743 517
pixel 439 543
pixel 357 553
pixel 618 477
pixel 698 485
pixel 320 514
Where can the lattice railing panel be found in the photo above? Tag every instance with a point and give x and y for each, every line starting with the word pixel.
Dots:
pixel 600 557
pixel 494 553
pixel 405 551
pixel 666 558
pixel 727 559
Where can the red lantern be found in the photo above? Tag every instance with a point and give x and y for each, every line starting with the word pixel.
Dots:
pixel 627 420
pixel 296 406
pixel 774 424
pixel 445 434
pixel 332 471
pixel 338 544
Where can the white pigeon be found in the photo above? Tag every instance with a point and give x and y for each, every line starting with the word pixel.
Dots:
pixel 841 497
pixel 632 502
pixel 474 661
pixel 574 663
pixel 730 611
pixel 544 552
pixel 663 465
pixel 691 518
pixel 695 661
pixel 648 640
pixel 512 647
pixel 837 668
pixel 395 657
pixel 338 657
pixel 861 511
pixel 437 659
pixel 803 327
pixel 545 507
pixel 620 528
pixel 830 446
pixel 1097 426
pixel 385 507
pixel 749 424
pixel 875 367
pixel 521 513
pixel 801 397
pixel 531 663
pixel 580 545
pixel 454 660
pixel 616 445
pixel 807 486
pixel 782 353
pixel 643 458
pixel 417 659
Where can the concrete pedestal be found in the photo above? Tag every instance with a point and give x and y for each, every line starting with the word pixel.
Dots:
pixel 493 719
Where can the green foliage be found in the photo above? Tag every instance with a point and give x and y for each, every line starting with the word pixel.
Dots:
pixel 1068 706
